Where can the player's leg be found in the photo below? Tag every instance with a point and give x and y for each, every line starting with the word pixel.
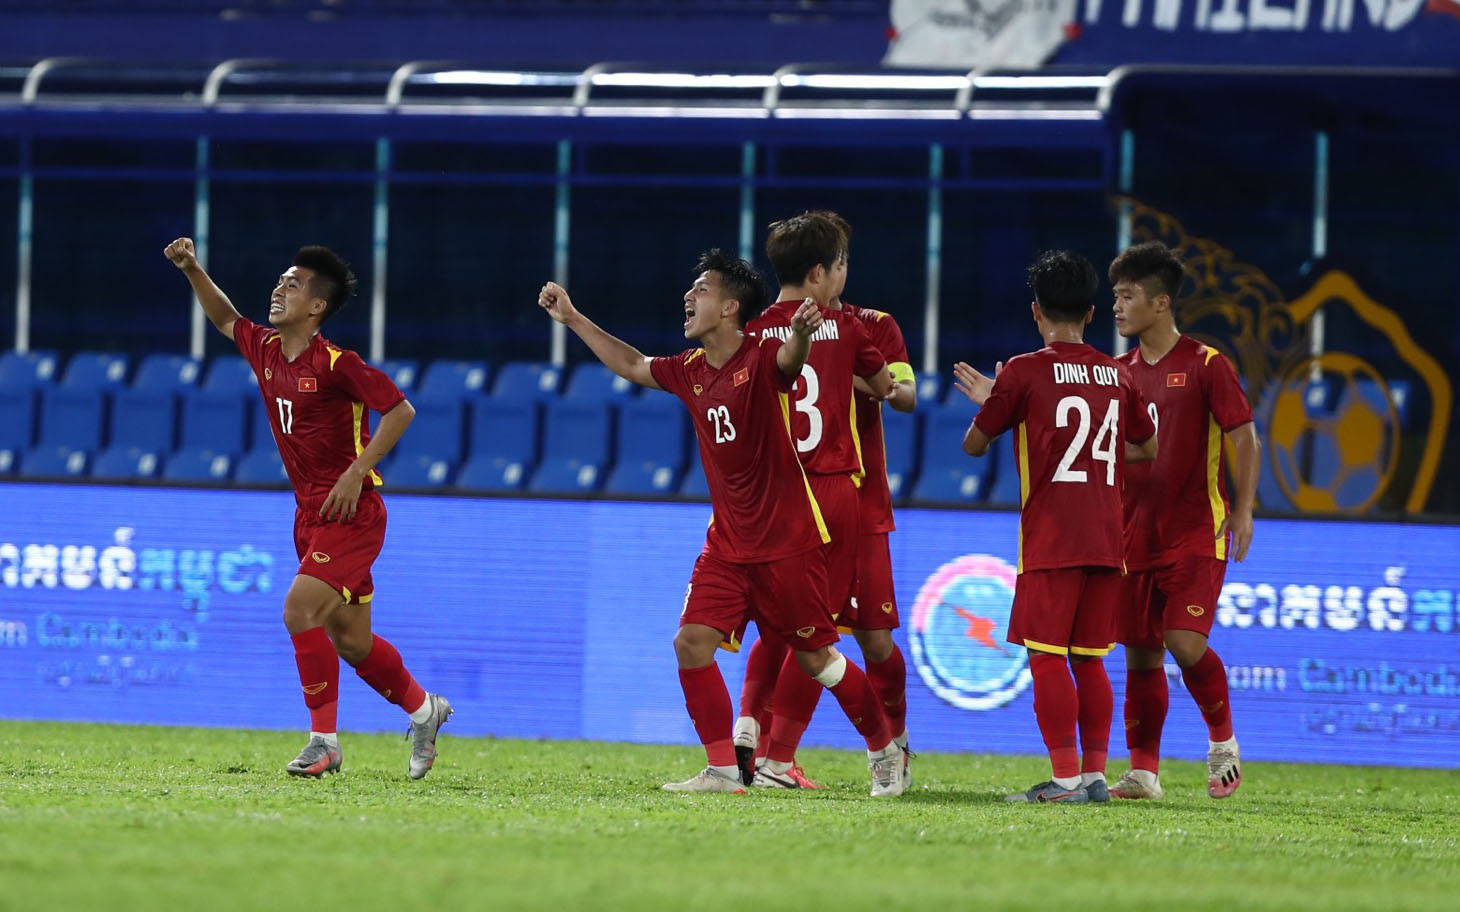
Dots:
pixel 795 699
pixel 1147 697
pixel 1041 621
pixel 873 621
pixel 752 728
pixel 1192 587
pixel 307 607
pixel 714 605
pixel 1092 639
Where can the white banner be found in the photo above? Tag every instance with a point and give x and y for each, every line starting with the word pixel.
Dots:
pixel 977 34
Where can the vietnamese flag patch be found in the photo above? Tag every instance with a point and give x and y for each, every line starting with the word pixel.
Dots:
pixel 308 385
pixel 742 375
pixel 1175 379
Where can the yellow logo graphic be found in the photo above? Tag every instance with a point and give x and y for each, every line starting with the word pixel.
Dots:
pixel 313 689
pixel 1131 723
pixel 698 389
pixel 320 557
pixel 1213 708
pixel 268 374
pixel 1332 422
pixel 1195 611
pixel 886 607
pixel 805 632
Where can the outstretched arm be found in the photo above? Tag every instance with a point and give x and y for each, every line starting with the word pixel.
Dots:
pixel 804 323
pixel 619 356
pixel 216 305
pixel 977 388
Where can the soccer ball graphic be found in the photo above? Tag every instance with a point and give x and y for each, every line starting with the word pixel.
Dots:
pixel 1333 435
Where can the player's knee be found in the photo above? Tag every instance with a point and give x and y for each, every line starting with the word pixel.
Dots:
pixel 1186 647
pixel 694 648
pixel 352 645
pixel 876 644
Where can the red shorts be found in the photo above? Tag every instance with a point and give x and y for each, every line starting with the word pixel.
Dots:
pixel 785 598
pixel 876 605
pixel 1067 611
pixel 841 510
pixel 341 553
pixel 1178 596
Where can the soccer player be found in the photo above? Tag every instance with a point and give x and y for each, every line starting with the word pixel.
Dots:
pixel 1078 419
pixel 1179 528
pixel 316 394
pixel 763 556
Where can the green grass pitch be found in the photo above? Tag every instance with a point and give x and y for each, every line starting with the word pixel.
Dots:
pixel 122 817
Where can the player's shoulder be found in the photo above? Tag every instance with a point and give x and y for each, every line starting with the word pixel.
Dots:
pixel 1202 354
pixel 334 356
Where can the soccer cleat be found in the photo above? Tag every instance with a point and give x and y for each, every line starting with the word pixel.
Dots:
pixel 793 778
pixel 888 779
pixel 423 736
pixel 907 758
pixel 1224 769
pixel 318 757
pixel 747 736
pixel 1098 792
pixel 1049 793
pixel 708 780
pixel 1133 786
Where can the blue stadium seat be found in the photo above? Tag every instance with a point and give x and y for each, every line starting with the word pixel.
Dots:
pixel 126 462
pixel 199 464
pixel 594 382
pixel 17 418
pixel 9 459
pixel 260 432
pixel 503 446
pixel 214 420
pixel 261 466
pixel 900 435
pixel 653 444
pixel 96 371
pixel 402 373
pixel 170 373
pixel 230 374
pixel 72 418
pixel 577 441
pixel 527 380
pixel 28 370
pixel 436 431
pixel 144 418
pixel 47 461
pixel 420 471
pixel 930 389
pixel 1005 488
pixel 948 474
pixel 452 381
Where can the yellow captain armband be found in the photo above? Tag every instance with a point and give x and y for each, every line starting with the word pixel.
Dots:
pixel 900 371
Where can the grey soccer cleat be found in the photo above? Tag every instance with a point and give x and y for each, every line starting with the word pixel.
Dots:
pixel 707 780
pixel 1049 793
pixel 318 757
pixel 423 736
pixel 1098 792
pixel 1138 785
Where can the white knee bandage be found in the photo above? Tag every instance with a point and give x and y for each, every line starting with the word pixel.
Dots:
pixel 834 671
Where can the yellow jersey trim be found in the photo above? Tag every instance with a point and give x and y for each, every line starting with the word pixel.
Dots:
pixel 730 643
pixel 1214 484
pixel 1211 353
pixel 1086 651
pixel 358 410
pixel 861 471
pixel 693 355
pixel 272 338
pixel 1023 488
pixel 901 371
pixel 815 507
pixel 365 599
pixel 334 356
pixel 1045 647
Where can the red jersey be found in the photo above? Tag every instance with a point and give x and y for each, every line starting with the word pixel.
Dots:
pixel 875 496
pixel 763 508
pixel 822 422
pixel 1175 504
pixel 316 406
pixel 1074 408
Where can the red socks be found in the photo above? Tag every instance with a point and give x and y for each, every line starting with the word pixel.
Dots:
pixel 1096 707
pixel 889 679
pixel 795 699
pixel 319 676
pixel 709 708
pixel 762 666
pixel 859 701
pixel 1146 702
pixel 1057 709
pixel 1207 683
pixel 383 670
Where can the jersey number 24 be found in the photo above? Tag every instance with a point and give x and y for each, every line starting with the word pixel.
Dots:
pixel 1102 448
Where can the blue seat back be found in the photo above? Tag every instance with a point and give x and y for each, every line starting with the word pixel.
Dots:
pixel 452 381
pixel 594 382
pixel 96 371
pixel 170 373
pixel 55 462
pixel 942 438
pixel 535 380
pixel 506 429
pixel 493 473
pixel 204 465
pixel 421 471
pixel 653 429
pixel 126 462
pixel 261 466
pixel 1004 490
pixel 28 369
pixel 214 420
pixel 144 418
pixel 931 388
pixel 900 437
pixel 577 430
pixel 436 431
pixel 17 417
pixel 230 374
pixel 72 418
pixel 403 373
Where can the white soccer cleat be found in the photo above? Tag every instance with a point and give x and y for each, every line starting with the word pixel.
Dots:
pixel 889 773
pixel 1136 785
pixel 1224 768
pixel 423 736
pixel 747 737
pixel 707 780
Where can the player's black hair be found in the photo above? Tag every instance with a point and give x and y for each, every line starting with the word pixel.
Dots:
pixel 332 279
pixel 741 281
pixel 1152 265
pixel 798 244
pixel 1064 284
